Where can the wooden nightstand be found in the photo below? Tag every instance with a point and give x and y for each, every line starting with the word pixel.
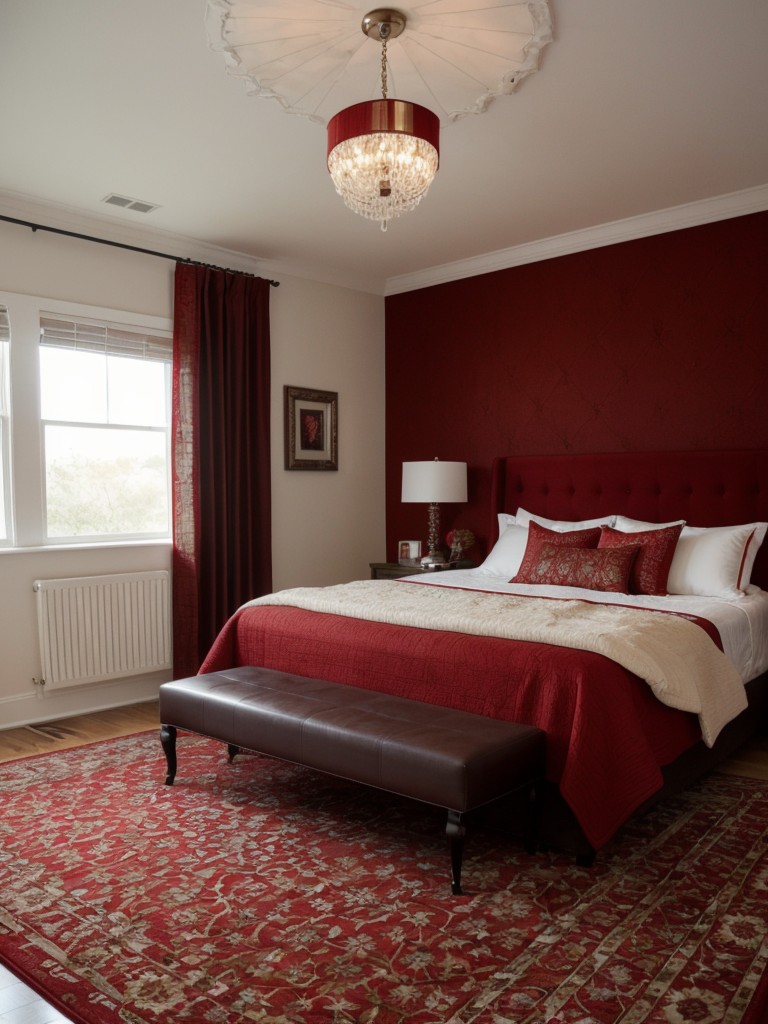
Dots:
pixel 393 570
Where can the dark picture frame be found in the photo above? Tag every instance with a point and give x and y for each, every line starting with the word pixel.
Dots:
pixel 311 428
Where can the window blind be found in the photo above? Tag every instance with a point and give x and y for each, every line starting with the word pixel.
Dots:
pixel 109 339
pixel 5 337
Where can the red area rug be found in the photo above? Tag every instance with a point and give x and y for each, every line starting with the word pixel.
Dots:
pixel 261 892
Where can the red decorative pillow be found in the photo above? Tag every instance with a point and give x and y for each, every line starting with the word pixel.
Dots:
pixel 538 535
pixel 570 538
pixel 657 548
pixel 590 568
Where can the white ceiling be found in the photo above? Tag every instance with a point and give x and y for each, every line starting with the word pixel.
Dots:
pixel 639 106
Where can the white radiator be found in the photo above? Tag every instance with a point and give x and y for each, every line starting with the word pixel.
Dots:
pixel 103 627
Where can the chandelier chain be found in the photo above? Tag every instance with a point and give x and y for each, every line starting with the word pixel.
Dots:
pixel 384 67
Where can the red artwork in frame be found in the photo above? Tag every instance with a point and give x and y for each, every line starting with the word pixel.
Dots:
pixel 311 428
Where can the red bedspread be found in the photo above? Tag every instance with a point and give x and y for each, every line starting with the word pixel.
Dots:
pixel 607 735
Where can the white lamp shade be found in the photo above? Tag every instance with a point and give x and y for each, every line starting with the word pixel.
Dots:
pixel 434 481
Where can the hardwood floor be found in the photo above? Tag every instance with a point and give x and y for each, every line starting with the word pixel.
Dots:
pixel 18 1003
pixel 751 760
pixel 74 732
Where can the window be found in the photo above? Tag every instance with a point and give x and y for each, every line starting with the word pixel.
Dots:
pixel 105 418
pixel 84 424
pixel 5 427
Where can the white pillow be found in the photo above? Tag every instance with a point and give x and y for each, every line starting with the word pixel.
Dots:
pixel 715 562
pixel 625 525
pixel 505 520
pixel 561 525
pixel 507 553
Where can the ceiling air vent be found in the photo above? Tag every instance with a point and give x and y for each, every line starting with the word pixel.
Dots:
pixel 129 204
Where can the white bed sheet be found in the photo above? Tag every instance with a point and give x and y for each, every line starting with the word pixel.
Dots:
pixel 742 623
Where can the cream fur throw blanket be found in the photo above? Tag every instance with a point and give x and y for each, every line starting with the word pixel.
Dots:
pixel 677 659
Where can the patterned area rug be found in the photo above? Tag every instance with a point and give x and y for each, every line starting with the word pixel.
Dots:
pixel 261 892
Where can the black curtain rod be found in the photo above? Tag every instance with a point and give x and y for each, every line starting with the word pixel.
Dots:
pixel 132 248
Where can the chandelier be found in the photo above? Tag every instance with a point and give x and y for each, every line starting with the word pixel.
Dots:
pixel 383 154
pixel 310 57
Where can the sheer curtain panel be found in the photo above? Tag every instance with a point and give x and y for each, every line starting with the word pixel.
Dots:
pixel 222 554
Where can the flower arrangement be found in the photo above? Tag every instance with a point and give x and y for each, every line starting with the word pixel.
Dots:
pixel 459 541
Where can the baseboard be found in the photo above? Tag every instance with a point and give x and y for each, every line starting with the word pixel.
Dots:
pixel 30 709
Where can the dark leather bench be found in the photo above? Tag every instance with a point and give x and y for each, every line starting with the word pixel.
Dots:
pixel 451 759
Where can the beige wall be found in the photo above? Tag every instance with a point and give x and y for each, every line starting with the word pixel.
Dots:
pixel 327 526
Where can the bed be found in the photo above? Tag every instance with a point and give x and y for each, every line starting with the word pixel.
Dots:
pixel 614 748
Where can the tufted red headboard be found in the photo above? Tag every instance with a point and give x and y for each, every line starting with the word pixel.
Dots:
pixel 714 488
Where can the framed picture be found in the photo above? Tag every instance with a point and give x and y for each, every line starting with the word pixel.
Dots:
pixel 409 552
pixel 311 428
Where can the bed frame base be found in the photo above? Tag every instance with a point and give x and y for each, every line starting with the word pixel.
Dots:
pixel 706 488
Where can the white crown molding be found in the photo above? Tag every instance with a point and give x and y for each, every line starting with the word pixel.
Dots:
pixel 734 204
pixel 114 229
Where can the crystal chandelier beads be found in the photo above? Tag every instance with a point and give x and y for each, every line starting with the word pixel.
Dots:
pixel 383 156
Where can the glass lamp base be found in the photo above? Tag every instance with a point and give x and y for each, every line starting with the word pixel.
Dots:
pixel 433 558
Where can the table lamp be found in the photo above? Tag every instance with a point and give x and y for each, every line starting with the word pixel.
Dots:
pixel 433 482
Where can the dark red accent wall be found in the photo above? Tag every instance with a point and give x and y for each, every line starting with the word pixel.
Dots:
pixel 658 343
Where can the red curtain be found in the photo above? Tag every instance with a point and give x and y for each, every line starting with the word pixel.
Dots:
pixel 222 552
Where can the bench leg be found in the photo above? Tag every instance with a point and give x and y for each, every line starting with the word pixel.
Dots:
pixel 455 832
pixel 168 740
pixel 232 751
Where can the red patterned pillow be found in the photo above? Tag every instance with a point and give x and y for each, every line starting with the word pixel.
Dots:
pixel 657 549
pixel 538 535
pixel 590 568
